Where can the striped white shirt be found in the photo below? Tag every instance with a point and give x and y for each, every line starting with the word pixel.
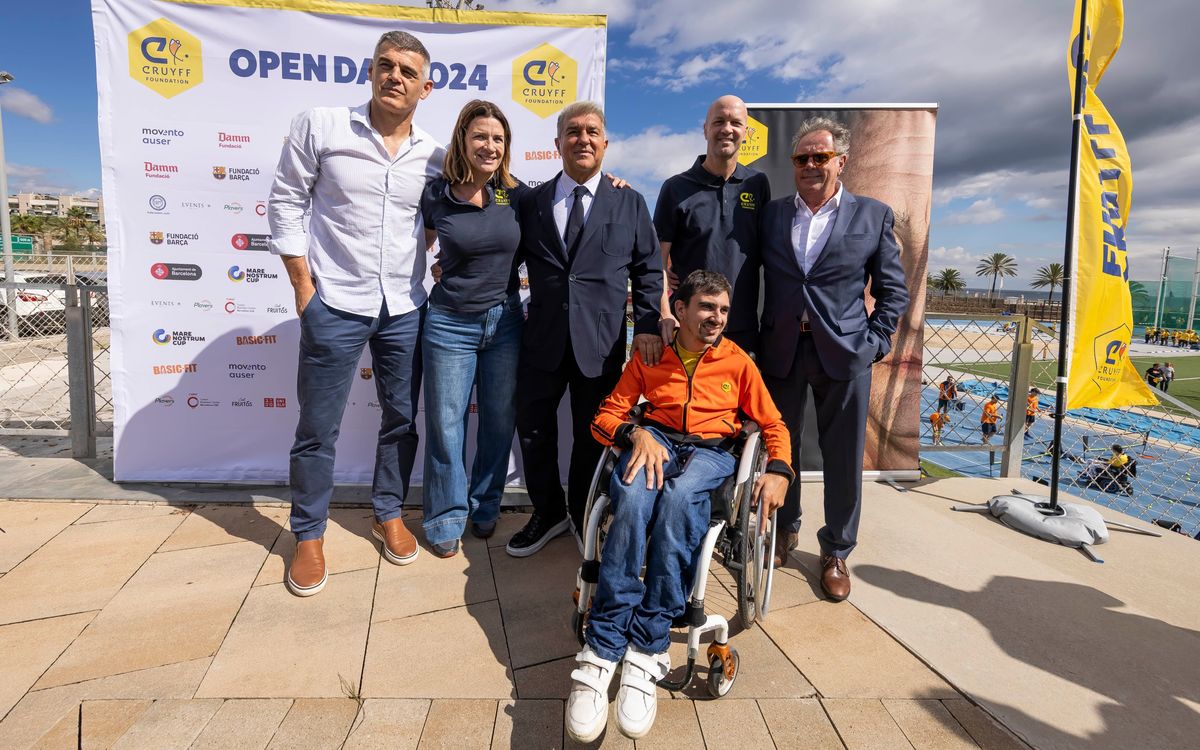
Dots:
pixel 365 241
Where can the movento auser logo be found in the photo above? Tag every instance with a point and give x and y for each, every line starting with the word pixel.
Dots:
pixel 165 58
pixel 544 80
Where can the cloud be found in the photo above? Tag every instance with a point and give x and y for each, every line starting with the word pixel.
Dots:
pixel 998 73
pixel 983 211
pixel 26 178
pixel 648 158
pixel 26 104
pixel 951 257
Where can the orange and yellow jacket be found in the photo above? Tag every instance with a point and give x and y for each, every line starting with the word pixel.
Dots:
pixel 704 408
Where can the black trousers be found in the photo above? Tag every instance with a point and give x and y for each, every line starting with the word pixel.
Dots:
pixel 538 395
pixel 841 408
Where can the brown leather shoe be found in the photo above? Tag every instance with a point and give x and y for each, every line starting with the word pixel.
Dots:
pixel 835 579
pixel 399 545
pixel 785 542
pixel 307 574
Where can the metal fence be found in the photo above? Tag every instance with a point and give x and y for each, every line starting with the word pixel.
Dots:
pixel 54 343
pixel 1006 356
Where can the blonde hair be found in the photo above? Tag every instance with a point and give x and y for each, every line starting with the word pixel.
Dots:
pixel 457 167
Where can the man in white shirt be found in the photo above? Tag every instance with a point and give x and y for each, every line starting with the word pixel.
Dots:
pixel 358 275
pixel 821 247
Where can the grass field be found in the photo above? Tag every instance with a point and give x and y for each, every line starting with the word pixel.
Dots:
pixel 1186 386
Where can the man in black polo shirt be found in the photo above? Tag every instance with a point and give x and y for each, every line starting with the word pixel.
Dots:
pixel 707 218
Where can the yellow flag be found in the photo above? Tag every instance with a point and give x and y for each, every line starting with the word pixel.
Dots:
pixel 1101 374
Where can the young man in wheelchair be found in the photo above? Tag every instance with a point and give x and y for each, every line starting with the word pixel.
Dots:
pixel 659 492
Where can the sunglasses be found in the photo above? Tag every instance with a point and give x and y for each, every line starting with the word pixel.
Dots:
pixel 819 159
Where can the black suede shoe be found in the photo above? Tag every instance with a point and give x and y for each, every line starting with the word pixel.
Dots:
pixel 537 532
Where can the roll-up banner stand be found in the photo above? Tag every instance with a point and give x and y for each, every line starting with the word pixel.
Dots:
pixel 891 160
pixel 195 100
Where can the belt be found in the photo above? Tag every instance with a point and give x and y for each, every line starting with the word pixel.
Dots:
pixel 805 326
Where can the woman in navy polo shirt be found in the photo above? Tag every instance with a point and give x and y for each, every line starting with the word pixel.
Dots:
pixel 472 332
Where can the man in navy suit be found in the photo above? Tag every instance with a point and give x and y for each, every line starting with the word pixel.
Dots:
pixel 584 243
pixel 821 247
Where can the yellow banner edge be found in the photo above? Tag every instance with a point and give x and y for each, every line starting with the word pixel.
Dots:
pixel 403 13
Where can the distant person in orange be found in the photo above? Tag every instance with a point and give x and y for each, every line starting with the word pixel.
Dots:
pixel 989 422
pixel 938 420
pixel 1032 408
pixel 947 392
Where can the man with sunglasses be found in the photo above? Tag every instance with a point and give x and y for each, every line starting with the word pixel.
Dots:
pixel 820 248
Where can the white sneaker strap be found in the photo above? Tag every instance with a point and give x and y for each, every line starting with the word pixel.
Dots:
pixel 649 671
pixel 590 680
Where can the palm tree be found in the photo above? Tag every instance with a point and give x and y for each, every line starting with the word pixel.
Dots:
pixel 996 265
pixel 1049 276
pixel 1139 294
pixel 949 280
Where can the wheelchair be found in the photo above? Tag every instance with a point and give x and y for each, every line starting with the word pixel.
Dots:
pixel 1097 475
pixel 733 534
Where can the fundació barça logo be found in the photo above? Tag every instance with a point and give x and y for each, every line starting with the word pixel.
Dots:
pixel 165 58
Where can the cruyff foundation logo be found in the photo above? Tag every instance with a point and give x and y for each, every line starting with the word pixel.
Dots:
pixel 544 80
pixel 754 146
pixel 165 58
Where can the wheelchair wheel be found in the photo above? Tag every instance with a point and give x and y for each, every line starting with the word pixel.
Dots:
pixel 722 673
pixel 750 551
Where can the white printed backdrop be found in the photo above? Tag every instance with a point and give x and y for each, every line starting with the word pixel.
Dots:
pixel 195 100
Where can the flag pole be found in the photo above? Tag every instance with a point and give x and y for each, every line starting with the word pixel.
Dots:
pixel 1060 382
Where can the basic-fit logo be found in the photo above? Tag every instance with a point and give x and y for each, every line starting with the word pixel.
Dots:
pixel 544 80
pixel 754 146
pixel 165 58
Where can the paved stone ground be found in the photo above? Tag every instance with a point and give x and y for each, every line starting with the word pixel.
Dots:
pixel 152 626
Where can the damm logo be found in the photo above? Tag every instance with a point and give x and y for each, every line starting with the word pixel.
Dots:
pixel 165 58
pixel 545 79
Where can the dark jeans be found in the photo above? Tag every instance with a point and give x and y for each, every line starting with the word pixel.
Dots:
pixel 331 342
pixel 538 395
pixel 627 610
pixel 841 407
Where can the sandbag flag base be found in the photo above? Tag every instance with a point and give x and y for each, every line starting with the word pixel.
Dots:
pixel 1068 524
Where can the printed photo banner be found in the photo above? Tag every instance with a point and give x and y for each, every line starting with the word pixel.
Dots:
pixel 195 100
pixel 891 160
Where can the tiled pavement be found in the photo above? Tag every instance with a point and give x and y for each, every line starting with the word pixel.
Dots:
pixel 150 626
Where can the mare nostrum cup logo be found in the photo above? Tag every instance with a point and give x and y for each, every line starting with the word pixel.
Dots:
pixel 165 58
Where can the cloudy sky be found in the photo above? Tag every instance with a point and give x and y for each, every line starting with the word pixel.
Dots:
pixel 997 70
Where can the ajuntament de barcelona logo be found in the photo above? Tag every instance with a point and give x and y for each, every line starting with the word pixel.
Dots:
pixel 545 79
pixel 165 58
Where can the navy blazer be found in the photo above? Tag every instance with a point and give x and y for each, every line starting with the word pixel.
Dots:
pixel 861 249
pixel 584 298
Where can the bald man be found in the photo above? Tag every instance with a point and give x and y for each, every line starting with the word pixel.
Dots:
pixel 708 218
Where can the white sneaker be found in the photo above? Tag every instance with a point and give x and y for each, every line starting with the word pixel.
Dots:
pixel 637 701
pixel 587 706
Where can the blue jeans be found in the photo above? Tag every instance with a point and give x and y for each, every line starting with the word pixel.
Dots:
pixel 331 342
pixel 461 350
pixel 627 611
